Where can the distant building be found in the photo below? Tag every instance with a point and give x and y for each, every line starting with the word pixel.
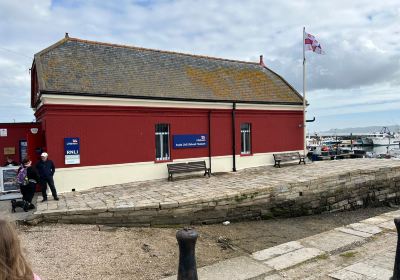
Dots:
pixel 113 114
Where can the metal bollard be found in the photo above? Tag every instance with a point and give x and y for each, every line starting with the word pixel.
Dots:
pixel 187 260
pixel 396 270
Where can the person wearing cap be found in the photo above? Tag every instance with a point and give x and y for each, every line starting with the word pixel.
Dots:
pixel 46 170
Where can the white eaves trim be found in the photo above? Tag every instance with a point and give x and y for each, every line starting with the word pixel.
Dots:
pixel 111 101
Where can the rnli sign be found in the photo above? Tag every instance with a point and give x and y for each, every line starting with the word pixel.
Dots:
pixel 190 141
pixel 72 151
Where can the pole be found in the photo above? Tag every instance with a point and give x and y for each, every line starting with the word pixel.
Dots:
pixel 233 137
pixel 351 140
pixel 396 269
pixel 209 139
pixel 304 94
pixel 187 269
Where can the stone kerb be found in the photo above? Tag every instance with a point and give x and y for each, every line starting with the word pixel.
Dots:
pixel 290 197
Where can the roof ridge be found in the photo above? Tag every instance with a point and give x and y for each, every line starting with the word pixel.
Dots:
pixel 157 50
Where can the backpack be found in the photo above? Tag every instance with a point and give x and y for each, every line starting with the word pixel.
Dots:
pixel 22 177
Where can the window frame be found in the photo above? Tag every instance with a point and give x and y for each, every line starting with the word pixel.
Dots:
pixel 246 148
pixel 161 141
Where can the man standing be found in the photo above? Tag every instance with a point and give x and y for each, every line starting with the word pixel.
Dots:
pixel 46 170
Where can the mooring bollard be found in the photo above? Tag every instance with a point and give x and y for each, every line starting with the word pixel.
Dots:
pixel 396 270
pixel 187 260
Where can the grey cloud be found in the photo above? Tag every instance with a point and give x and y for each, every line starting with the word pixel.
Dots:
pixel 361 38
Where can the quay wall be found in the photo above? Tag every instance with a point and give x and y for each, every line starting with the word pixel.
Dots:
pixel 344 191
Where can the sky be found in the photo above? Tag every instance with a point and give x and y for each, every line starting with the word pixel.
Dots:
pixel 355 83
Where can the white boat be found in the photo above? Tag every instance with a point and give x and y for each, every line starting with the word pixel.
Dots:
pixel 331 141
pixel 384 138
pixel 366 140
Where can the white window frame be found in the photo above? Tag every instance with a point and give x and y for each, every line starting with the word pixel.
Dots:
pixel 160 136
pixel 245 148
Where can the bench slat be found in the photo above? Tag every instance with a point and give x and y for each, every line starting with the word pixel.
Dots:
pixel 285 157
pixel 187 168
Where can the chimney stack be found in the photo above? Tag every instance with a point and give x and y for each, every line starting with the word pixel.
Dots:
pixel 262 61
pixel 66 35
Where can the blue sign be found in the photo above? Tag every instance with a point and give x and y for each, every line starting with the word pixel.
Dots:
pixel 72 151
pixel 190 141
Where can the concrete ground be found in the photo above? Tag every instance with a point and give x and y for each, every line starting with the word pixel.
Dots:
pixel 95 251
pixel 61 251
pixel 19 215
pixel 363 250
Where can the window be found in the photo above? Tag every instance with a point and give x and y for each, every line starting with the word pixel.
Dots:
pixel 162 142
pixel 245 134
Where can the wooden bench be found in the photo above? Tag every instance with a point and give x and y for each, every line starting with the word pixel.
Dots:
pixel 286 157
pixel 187 167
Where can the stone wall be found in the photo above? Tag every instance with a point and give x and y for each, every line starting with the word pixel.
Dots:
pixel 344 191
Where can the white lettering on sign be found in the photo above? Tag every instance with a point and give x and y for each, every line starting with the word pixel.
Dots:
pixel 3 132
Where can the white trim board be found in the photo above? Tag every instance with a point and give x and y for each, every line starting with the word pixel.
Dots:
pixel 111 101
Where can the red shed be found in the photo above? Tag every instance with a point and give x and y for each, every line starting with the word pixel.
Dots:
pixel 113 114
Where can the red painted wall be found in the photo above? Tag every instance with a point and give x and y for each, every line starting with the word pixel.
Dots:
pixel 15 133
pixel 112 135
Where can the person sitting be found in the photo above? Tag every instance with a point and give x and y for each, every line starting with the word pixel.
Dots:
pixel 10 162
pixel 13 265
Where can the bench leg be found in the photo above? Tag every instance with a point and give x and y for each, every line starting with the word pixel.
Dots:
pixel 207 172
pixel 170 177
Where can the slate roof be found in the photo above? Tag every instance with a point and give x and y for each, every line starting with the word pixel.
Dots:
pixel 75 66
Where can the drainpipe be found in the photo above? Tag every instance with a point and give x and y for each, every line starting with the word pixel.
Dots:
pixel 233 137
pixel 209 139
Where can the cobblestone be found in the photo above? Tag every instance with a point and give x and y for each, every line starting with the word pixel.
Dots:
pixel 288 191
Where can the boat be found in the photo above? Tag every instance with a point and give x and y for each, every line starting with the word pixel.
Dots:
pixel 384 138
pixel 331 141
pixel 366 140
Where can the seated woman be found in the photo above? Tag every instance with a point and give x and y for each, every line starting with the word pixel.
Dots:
pixel 13 265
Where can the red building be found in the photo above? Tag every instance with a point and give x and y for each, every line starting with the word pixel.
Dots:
pixel 128 111
pixel 14 139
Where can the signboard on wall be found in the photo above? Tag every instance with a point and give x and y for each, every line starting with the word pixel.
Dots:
pixel 9 150
pixel 8 179
pixel 23 150
pixel 3 132
pixel 190 141
pixel 72 151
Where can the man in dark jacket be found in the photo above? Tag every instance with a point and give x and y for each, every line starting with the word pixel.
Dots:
pixel 46 170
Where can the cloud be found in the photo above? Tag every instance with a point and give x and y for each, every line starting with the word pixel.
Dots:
pixel 361 38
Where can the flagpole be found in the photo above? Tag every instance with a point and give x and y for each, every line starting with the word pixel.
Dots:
pixel 304 95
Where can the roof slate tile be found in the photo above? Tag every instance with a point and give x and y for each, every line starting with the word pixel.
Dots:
pixel 84 67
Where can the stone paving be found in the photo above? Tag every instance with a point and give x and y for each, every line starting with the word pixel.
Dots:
pixel 336 254
pixel 159 197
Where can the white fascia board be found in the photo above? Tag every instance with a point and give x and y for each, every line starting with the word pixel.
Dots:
pixel 111 101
